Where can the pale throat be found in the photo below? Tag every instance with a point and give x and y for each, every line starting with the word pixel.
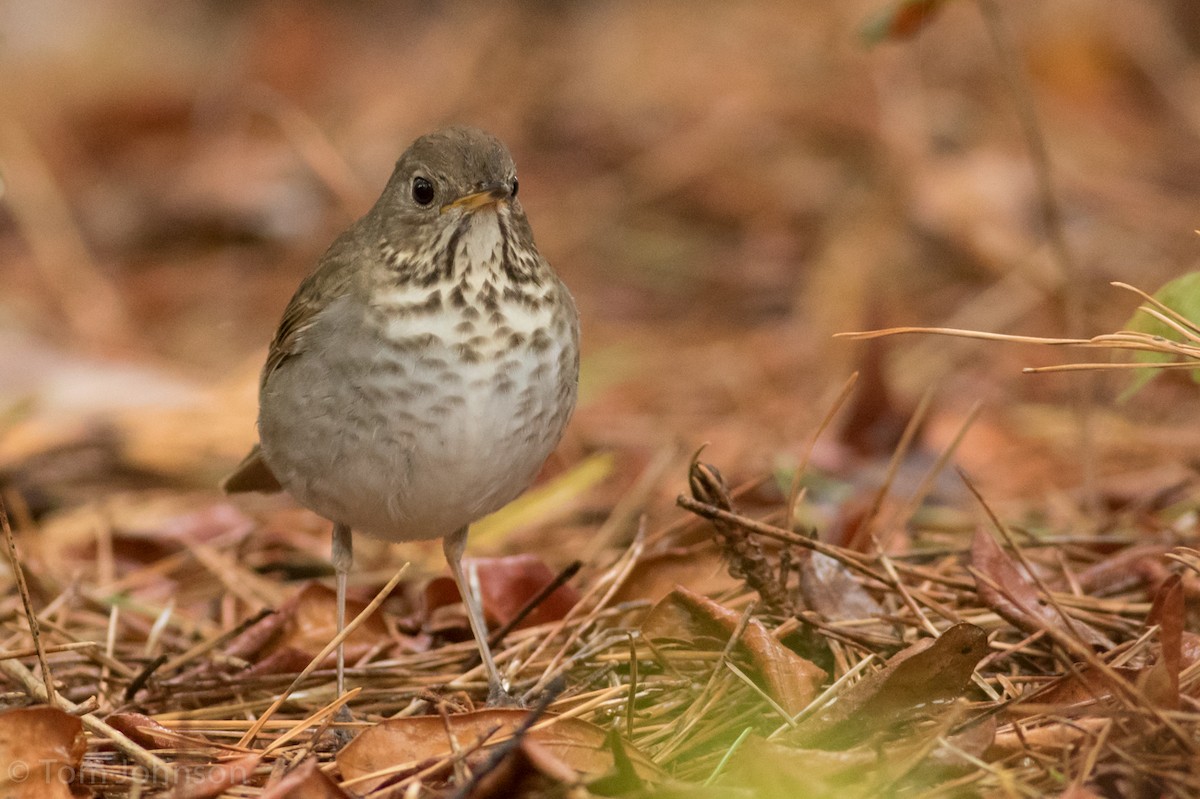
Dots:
pixel 483 241
pixel 457 285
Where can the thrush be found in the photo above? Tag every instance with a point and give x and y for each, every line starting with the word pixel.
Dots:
pixel 425 369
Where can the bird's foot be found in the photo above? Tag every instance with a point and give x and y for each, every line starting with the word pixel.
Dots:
pixel 339 735
pixel 499 696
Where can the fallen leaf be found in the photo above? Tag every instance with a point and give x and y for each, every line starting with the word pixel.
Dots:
pixel 303 625
pixel 1020 739
pixel 216 779
pixel 958 749
pixel 506 584
pixel 832 591
pixel 285 660
pixel 305 781
pixel 313 622
pixel 529 770
pixel 41 749
pixel 1082 685
pixel 1161 682
pixel 1124 569
pixel 788 678
pixel 701 568
pixel 145 731
pixel 423 739
pixel 925 677
pixel 1016 600
pixel 257 636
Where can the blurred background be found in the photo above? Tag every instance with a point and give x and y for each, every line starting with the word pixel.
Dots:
pixel 723 186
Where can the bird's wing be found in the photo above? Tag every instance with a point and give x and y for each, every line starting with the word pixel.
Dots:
pixel 297 318
pixel 333 278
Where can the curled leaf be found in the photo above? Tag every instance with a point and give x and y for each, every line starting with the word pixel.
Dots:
pixel 922 678
pixel 1016 600
pixel 788 678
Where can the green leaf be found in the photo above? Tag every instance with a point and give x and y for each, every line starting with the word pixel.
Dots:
pixel 1181 295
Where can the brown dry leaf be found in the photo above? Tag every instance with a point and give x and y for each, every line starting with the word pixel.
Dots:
pixel 971 742
pixel 285 660
pixel 145 731
pixel 1124 569
pixel 421 739
pixel 145 527
pixel 257 636
pixel 313 614
pixel 40 749
pixel 1016 600
pixel 1054 735
pixel 529 770
pixel 789 679
pixel 305 781
pixel 215 780
pixel 302 626
pixel 1083 685
pixel 701 568
pixel 831 590
pixel 925 677
pixel 1161 681
pixel 506 584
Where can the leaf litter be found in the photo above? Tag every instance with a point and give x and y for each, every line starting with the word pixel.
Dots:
pixel 824 643
pixel 930 668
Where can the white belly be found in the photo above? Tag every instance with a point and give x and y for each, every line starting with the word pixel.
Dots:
pixel 414 444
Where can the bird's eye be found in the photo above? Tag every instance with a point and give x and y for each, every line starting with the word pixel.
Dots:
pixel 515 185
pixel 422 191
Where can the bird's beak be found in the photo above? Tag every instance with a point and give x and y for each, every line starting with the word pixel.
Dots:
pixel 474 201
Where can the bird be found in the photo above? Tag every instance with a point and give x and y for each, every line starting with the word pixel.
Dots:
pixel 424 370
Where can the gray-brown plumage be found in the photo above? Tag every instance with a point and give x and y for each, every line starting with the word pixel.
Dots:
pixel 427 366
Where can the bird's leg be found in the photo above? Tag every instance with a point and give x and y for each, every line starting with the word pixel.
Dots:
pixel 453 545
pixel 343 558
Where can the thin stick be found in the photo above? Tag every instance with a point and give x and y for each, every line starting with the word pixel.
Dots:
pixel 158 768
pixel 321 717
pixel 365 614
pixel 1166 309
pixel 30 616
pixel 852 560
pixel 963 333
pixel 1108 367
pixel 212 643
pixel 73 646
